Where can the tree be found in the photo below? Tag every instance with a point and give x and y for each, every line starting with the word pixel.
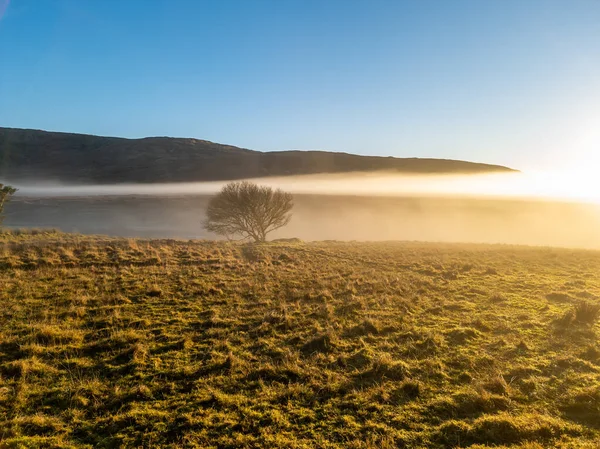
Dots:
pixel 5 193
pixel 249 210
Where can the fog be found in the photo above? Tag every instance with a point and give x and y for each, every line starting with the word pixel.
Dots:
pixel 512 185
pixel 515 208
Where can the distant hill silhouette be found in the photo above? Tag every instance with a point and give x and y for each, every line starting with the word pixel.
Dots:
pixel 27 154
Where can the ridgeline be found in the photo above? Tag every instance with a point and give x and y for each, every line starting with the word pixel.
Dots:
pixel 27 154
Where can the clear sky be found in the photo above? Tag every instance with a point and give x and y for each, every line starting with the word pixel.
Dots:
pixel 515 82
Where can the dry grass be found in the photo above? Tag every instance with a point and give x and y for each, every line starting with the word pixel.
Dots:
pixel 130 343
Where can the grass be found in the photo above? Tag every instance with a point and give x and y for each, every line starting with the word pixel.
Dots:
pixel 130 343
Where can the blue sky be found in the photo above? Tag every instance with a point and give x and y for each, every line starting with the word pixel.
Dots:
pixel 515 82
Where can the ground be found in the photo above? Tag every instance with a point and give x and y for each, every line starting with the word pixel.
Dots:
pixel 163 343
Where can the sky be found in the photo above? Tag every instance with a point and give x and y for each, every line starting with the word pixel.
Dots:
pixel 512 82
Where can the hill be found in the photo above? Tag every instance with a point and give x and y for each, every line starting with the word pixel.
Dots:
pixel 78 158
pixel 150 343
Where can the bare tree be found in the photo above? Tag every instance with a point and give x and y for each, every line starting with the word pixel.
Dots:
pixel 248 210
pixel 5 193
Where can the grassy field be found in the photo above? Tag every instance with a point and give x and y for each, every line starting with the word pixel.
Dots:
pixel 130 343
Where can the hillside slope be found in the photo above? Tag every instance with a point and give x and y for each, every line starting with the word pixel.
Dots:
pixel 79 158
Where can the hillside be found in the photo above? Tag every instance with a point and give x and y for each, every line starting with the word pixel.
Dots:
pixel 150 343
pixel 78 158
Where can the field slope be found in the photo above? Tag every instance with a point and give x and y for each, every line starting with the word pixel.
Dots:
pixel 131 343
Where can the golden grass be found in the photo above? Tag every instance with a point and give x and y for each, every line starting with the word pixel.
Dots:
pixel 133 343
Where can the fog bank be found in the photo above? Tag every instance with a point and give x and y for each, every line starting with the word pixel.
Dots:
pixel 551 209
pixel 328 217
pixel 531 185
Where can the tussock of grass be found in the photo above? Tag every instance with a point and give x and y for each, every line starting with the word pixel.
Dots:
pixel 22 368
pixel 584 405
pixel 583 313
pixel 48 334
pixel 321 343
pixel 132 343
pixel 504 428
pixel 587 313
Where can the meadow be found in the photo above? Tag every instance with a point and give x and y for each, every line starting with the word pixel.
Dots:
pixel 108 342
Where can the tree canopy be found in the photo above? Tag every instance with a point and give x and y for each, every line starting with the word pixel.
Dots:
pixel 248 210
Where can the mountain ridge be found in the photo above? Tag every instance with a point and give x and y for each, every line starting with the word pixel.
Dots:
pixel 71 158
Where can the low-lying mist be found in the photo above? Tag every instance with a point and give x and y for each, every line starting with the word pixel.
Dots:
pixel 532 185
pixel 513 208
